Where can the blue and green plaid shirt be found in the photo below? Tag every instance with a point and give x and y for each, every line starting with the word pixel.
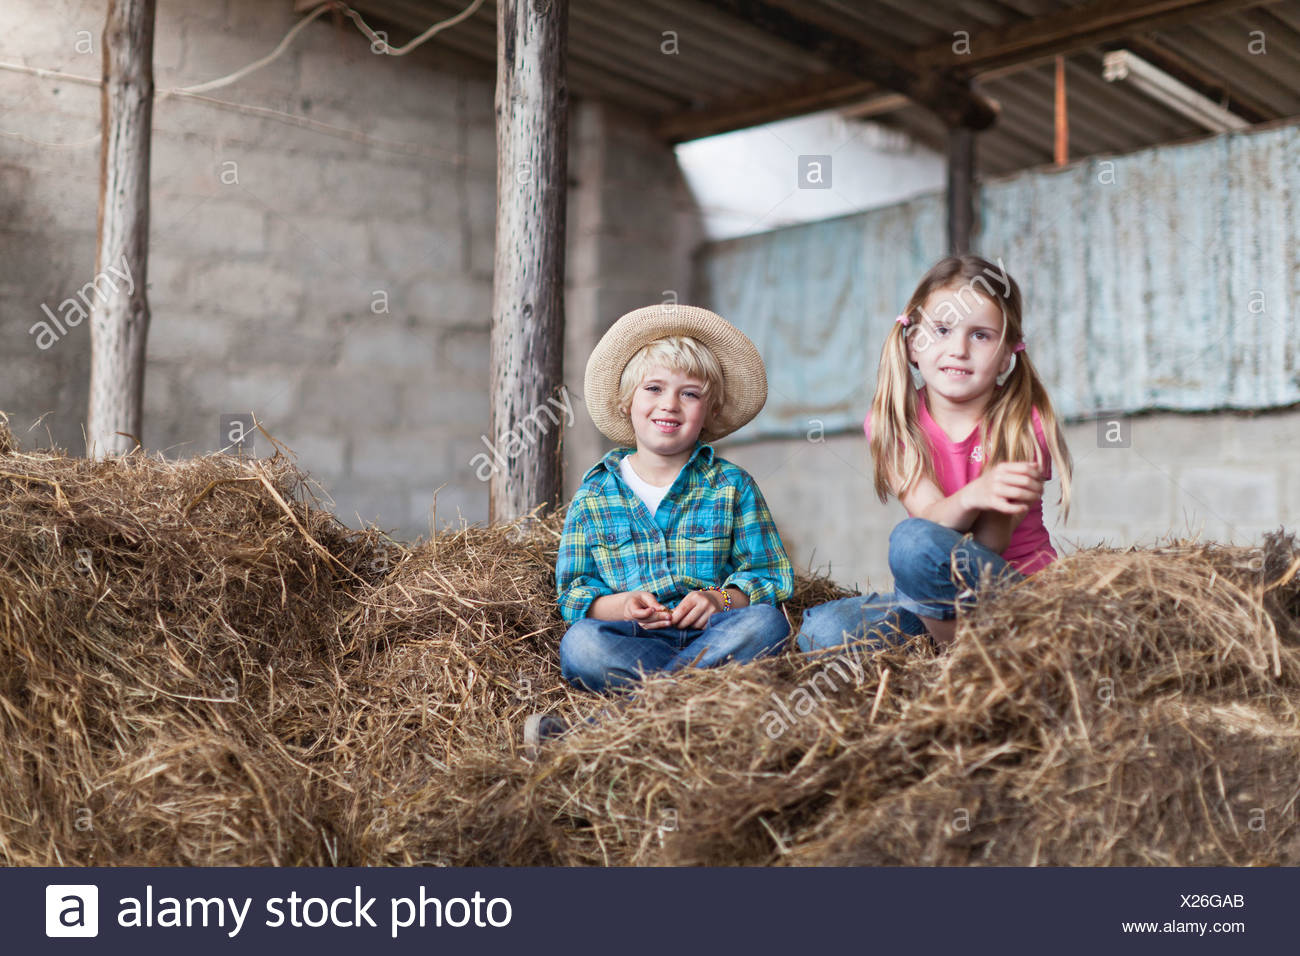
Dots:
pixel 711 529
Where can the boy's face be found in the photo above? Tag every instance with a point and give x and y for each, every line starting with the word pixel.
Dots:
pixel 668 411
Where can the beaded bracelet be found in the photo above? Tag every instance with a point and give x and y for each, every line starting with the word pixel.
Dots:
pixel 726 598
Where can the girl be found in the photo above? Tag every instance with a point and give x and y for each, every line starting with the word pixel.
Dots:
pixel 964 435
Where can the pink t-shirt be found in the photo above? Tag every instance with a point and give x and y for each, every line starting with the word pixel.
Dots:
pixel 958 463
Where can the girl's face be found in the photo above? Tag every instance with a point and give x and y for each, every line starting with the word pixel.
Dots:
pixel 956 345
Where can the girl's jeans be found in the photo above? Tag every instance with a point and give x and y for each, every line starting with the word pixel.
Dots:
pixel 936 570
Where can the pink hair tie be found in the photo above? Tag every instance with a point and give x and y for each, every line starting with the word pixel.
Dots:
pixel 903 319
pixel 1018 347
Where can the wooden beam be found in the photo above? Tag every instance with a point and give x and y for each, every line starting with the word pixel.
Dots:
pixel 953 102
pixel 1061 150
pixel 119 315
pixel 528 273
pixel 877 106
pixel 1070 30
pixel 820 93
pixel 961 189
pixel 1006 49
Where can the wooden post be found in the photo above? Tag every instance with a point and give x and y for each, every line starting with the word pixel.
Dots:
pixel 528 409
pixel 961 188
pixel 1062 150
pixel 119 316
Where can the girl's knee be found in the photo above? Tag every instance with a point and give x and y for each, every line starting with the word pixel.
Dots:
pixel 916 540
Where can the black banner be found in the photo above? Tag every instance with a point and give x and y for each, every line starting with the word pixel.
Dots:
pixel 631 911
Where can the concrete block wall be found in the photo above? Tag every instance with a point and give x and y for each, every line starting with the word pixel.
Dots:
pixel 633 229
pixel 337 285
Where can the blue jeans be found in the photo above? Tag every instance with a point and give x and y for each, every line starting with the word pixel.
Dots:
pixel 936 570
pixel 600 655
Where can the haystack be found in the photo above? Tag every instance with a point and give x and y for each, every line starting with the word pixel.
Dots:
pixel 200 665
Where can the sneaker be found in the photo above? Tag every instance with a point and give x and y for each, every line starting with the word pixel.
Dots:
pixel 538 729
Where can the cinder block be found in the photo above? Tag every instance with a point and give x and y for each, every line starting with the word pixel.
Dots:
pixel 189 165
pixel 214 226
pixel 450 301
pixel 248 288
pixel 480 139
pixel 321 242
pixel 434 400
pixel 181 337
pixel 448 506
pixel 447 191
pixel 286 341
pixel 1231 494
pixel 44 32
pixel 268 393
pixel 210 54
pixel 347 402
pixel 393 189
pixel 169 277
pixel 1097 536
pixel 384 344
pixel 478 98
pixel 260 21
pixel 465 352
pixel 376 83
pixel 1110 496
pixel 403 457
pixel 334 294
pixel 433 248
pixel 360 503
pixel 323 456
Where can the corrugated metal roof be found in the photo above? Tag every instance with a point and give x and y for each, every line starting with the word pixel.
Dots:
pixel 616 52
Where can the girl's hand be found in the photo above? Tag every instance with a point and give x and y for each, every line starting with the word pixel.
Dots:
pixel 695 609
pixel 644 608
pixel 1011 488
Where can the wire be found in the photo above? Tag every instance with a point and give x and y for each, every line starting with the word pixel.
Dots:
pixel 256 64
pixel 193 92
pixel 428 34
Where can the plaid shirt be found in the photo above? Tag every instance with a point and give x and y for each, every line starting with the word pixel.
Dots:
pixel 718 532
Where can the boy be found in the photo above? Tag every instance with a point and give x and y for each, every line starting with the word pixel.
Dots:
pixel 669 556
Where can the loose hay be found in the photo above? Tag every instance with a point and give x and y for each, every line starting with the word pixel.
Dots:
pixel 199 665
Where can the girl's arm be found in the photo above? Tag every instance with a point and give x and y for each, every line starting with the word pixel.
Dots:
pixel 993 529
pixel 990 507
pixel 926 500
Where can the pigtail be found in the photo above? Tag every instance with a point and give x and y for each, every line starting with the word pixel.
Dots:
pixel 899 452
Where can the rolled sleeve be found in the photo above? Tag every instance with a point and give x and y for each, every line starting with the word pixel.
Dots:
pixel 577 582
pixel 763 569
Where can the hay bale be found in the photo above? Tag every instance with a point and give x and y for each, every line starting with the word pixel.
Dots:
pixel 1121 708
pixel 199 665
pixel 152 604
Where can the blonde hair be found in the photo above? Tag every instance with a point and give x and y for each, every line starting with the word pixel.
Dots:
pixel 898 444
pixel 678 353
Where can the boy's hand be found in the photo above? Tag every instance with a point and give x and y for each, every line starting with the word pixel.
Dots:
pixel 695 610
pixel 644 608
pixel 1011 488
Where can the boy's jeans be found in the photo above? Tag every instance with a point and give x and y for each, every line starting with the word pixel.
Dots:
pixel 600 655
pixel 935 571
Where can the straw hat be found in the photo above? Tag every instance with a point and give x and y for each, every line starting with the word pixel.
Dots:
pixel 743 376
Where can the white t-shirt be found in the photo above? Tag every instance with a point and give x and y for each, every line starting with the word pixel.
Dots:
pixel 650 494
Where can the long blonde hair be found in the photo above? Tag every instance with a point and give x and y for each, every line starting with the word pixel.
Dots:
pixel 1006 430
